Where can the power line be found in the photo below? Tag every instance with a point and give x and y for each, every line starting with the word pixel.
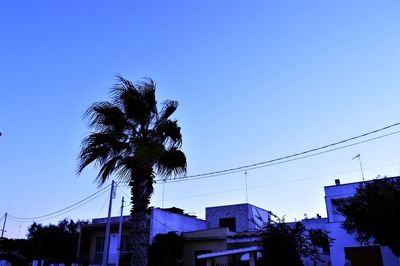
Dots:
pixel 286 161
pixel 102 208
pixel 278 160
pixel 271 184
pixel 62 210
pixel 61 213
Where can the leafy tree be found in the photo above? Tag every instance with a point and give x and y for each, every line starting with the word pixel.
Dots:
pixel 16 251
pixel 54 243
pixel 135 141
pixel 373 213
pixel 284 244
pixel 166 250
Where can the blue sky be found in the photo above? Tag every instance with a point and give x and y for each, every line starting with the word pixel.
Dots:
pixel 255 80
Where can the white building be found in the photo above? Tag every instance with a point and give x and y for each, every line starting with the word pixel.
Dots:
pixel 160 221
pixel 345 247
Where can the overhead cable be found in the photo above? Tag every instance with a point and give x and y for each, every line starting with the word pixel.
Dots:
pixel 276 160
pixel 83 201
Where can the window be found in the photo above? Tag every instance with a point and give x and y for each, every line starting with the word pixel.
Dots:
pixel 228 222
pixel 98 252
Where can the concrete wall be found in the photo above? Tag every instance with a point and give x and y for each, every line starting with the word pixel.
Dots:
pixel 257 217
pixel 212 239
pixel 162 222
pixel 213 245
pixel 337 192
pixel 243 213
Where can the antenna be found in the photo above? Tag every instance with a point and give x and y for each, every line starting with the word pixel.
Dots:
pixel 359 159
pixel 245 179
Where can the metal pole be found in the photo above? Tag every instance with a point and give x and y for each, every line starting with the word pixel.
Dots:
pixel 359 159
pixel 104 260
pixel 247 197
pixel 4 225
pixel 163 189
pixel 120 231
pixel 362 172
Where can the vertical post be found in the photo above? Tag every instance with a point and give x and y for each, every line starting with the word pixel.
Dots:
pixel 359 159
pixel 252 258
pixel 362 171
pixel 163 189
pixel 104 260
pixel 120 232
pixel 4 225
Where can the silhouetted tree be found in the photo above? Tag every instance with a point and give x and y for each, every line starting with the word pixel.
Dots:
pixel 166 250
pixel 135 141
pixel 284 244
pixel 16 251
pixel 373 213
pixel 54 243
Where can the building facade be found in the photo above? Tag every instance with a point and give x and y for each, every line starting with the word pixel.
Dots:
pixel 345 248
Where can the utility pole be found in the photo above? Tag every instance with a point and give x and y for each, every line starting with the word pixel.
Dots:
pixel 120 231
pixel 104 261
pixel 4 225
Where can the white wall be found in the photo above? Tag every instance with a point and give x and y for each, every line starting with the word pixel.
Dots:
pixel 341 238
pixel 163 222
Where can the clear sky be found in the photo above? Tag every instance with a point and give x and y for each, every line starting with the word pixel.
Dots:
pixel 255 80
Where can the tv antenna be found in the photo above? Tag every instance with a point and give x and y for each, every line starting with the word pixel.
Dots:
pixel 359 159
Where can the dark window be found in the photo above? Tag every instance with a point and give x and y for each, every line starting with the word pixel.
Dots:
pixel 202 262
pixel 228 222
pixel 98 252
pixel 364 256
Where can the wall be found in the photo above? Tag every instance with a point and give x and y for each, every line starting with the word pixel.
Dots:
pixel 244 214
pixel 257 217
pixel 336 192
pixel 212 239
pixel 163 222
pixel 341 238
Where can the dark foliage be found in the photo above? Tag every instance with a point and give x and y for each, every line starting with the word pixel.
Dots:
pixel 54 243
pixel 166 250
pixel 16 251
pixel 373 213
pixel 284 244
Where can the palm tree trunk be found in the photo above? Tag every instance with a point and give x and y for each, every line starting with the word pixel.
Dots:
pixel 140 239
pixel 141 190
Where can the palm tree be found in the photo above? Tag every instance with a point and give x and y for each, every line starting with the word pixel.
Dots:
pixel 136 142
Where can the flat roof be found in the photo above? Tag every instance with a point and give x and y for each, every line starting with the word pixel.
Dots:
pixel 366 181
pixel 238 204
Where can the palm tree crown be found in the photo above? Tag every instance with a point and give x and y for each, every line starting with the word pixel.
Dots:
pixel 131 138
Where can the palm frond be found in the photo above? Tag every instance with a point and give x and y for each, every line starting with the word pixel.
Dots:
pixel 108 168
pixel 148 91
pixel 172 162
pixel 168 131
pixel 99 148
pixel 169 107
pixel 105 116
